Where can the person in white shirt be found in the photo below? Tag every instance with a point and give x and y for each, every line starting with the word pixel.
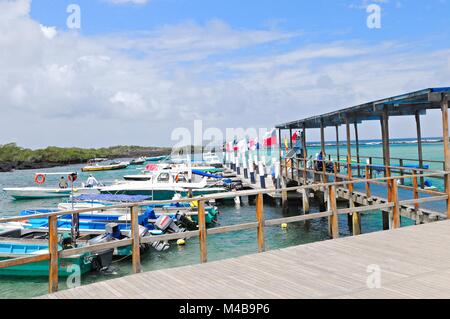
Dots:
pixel 91 181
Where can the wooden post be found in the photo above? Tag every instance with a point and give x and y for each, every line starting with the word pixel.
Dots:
pixel 353 219
pixel 386 157
pixel 393 198
pixel 349 156
pixel 53 250
pixel 335 171
pixel 260 219
pixel 415 191
pixel 368 176
pixel 305 155
pixel 337 147
pixel 334 219
pixel 324 156
pixel 202 231
pixel 444 107
pixel 401 163
pixel 419 147
pixel 136 243
pixel 357 148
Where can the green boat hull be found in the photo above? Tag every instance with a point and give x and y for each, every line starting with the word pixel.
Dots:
pixel 67 267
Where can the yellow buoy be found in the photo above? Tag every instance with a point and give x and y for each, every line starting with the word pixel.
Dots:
pixel 181 242
pixel 284 226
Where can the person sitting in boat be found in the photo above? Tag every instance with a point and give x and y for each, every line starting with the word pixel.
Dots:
pixel 63 183
pixel 91 181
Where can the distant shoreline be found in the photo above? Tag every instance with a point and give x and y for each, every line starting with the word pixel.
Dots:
pixel 13 157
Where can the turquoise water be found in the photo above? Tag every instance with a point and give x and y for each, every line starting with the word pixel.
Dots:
pixel 219 246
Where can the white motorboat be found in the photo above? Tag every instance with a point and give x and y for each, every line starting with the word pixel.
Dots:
pixel 46 192
pixel 163 185
pixel 40 192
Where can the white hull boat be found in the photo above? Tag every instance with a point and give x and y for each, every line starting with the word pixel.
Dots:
pixel 46 192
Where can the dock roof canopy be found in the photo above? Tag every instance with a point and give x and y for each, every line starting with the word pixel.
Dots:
pixel 406 104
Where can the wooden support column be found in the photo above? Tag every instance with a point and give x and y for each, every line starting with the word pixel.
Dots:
pixel 349 156
pixel 324 155
pixel 386 157
pixel 334 219
pixel 305 192
pixel 53 250
pixel 419 147
pixel 338 154
pixel 354 218
pixel 402 173
pixel 415 189
pixel 260 219
pixel 357 148
pixel 136 243
pixel 444 107
pixel 202 232
pixel 305 155
pixel 368 176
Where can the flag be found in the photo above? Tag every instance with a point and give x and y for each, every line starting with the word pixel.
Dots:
pixel 286 144
pixel 270 139
pixel 242 145
pixel 294 136
pixel 253 144
pixel 235 145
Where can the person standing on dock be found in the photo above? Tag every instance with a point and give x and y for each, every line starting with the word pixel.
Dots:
pixel 91 181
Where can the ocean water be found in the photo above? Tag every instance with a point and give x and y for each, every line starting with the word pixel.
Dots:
pixel 219 246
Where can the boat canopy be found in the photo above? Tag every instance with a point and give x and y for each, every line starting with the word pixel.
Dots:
pixel 201 173
pixel 112 198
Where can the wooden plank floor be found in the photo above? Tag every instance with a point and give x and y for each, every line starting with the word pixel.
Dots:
pixel 414 263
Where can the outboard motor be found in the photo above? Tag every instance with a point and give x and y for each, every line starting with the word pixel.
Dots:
pixel 185 222
pixel 102 260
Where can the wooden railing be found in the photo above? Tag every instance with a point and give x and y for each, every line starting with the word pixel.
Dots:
pixel 260 223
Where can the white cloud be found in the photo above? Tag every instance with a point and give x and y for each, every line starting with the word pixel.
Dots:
pixel 49 32
pixel 135 88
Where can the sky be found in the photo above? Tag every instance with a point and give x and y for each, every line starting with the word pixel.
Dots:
pixel 136 71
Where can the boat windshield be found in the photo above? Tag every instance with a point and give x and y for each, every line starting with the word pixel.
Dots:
pixel 163 178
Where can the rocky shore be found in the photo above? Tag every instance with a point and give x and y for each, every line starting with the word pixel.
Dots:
pixel 36 164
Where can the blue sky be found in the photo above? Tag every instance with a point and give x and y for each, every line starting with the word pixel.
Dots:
pixel 152 67
pixel 322 20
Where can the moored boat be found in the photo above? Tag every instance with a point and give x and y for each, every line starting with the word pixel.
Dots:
pixel 40 192
pixel 97 167
pixel 138 161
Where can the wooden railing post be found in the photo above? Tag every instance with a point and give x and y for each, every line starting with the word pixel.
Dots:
pixel 334 222
pixel 396 208
pixel 335 171
pixel 136 257
pixel 393 198
pixel 368 176
pixel 415 189
pixel 260 219
pixel 305 173
pixel 53 250
pixel 202 232
pixel 402 181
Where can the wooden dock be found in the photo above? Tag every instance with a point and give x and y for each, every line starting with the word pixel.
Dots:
pixel 414 263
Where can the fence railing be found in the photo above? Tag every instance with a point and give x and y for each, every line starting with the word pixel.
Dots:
pixel 393 204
